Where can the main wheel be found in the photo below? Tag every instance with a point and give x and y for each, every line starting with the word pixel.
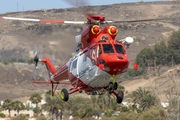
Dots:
pixel 64 95
pixel 115 86
pixel 110 87
pixel 120 97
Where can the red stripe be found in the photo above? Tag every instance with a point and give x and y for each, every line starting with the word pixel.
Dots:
pixel 41 82
pixel 48 82
pixel 52 21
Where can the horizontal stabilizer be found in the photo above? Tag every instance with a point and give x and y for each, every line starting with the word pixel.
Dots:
pixel 49 82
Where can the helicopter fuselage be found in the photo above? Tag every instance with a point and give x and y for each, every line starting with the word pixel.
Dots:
pixel 94 63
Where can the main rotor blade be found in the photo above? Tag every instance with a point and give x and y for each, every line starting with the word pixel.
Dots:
pixel 43 20
pixel 142 20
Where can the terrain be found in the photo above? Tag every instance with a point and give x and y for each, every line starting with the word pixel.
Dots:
pixel 19 40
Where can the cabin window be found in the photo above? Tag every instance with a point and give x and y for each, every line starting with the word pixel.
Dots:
pixel 74 64
pixel 119 49
pixel 85 57
pixel 108 48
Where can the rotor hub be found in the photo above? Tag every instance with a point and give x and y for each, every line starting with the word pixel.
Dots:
pixel 95 17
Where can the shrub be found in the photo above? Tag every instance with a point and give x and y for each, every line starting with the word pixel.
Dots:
pixel 109 113
pixel 20 117
pixel 154 113
pixel 41 118
pixel 2 115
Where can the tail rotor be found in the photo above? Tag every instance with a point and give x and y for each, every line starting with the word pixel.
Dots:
pixel 36 60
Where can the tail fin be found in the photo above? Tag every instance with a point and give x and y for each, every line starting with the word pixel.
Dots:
pixel 49 65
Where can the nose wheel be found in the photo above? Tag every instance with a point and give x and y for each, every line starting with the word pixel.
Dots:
pixel 112 86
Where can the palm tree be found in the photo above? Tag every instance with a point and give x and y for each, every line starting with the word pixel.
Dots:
pixel 18 105
pixel 78 104
pixel 148 101
pixel 35 98
pixel 54 104
pixel 7 105
pixel 51 104
pixel 144 98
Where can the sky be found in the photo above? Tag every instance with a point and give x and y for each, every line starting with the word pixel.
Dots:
pixel 24 5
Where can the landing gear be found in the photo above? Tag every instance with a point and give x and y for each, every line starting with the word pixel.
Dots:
pixel 64 95
pixel 120 97
pixel 112 86
pixel 115 86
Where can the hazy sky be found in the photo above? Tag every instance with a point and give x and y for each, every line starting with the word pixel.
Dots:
pixel 23 5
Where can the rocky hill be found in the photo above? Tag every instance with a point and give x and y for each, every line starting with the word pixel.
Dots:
pixel 18 39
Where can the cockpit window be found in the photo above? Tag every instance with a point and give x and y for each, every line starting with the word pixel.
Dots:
pixel 108 48
pixel 119 49
pixel 99 50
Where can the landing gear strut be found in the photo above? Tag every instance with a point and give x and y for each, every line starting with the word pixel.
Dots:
pixel 114 86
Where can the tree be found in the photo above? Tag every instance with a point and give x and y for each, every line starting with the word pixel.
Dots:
pixel 143 98
pixel 78 105
pixel 145 58
pixel 7 105
pixel 51 104
pixel 35 98
pixel 174 47
pixel 161 53
pixel 18 105
pixel 55 105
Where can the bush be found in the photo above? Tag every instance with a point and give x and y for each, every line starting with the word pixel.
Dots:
pixel 20 117
pixel 2 115
pixel 109 113
pixel 134 72
pixel 154 113
pixel 41 118
pixel 131 115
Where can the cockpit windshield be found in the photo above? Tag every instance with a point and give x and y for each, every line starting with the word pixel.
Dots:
pixel 119 49
pixel 108 48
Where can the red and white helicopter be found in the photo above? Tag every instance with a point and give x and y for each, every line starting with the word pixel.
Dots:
pixel 99 58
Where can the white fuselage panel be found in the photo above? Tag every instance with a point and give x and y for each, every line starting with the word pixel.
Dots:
pixel 88 72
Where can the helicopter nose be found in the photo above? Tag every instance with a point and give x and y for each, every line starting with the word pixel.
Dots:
pixel 114 64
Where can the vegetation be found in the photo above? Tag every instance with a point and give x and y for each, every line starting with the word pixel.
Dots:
pixel 143 98
pixel 162 54
pixel 20 117
pixel 145 106
pixel 174 47
pixel 18 105
pixel 36 98
pixel 2 115
pixel 8 105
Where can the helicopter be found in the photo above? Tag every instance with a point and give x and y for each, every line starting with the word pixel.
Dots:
pixel 98 61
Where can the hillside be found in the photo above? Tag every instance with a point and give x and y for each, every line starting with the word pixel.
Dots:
pixel 18 40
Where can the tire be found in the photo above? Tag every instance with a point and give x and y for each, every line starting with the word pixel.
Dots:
pixel 115 86
pixel 120 97
pixel 110 87
pixel 64 95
